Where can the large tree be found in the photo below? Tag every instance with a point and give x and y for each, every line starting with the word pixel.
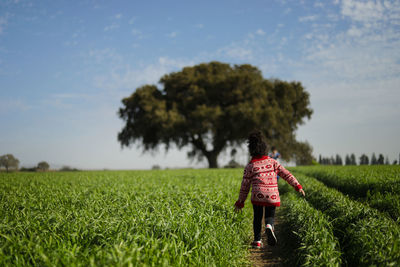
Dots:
pixel 212 106
pixel 9 161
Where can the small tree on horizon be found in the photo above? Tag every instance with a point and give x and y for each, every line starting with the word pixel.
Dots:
pixel 338 160
pixel 353 159
pixel 381 159
pixel 8 161
pixel 43 166
pixel 347 160
pixel 364 160
pixel 374 161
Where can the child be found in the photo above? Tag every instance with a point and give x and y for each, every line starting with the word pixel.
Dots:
pixel 261 173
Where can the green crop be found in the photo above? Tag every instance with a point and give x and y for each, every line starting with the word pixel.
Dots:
pixel 316 243
pixel 367 237
pixel 123 218
pixel 378 186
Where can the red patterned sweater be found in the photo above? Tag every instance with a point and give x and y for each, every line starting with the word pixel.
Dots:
pixel 261 174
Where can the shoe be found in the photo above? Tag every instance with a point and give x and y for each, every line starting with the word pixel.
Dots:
pixel 269 230
pixel 257 244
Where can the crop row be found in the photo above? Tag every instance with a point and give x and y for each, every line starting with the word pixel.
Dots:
pixel 316 243
pixel 159 218
pixel 378 186
pixel 357 181
pixel 366 236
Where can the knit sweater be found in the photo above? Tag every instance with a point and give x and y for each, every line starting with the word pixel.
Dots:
pixel 261 174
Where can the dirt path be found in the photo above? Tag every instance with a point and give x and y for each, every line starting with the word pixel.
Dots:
pixel 278 255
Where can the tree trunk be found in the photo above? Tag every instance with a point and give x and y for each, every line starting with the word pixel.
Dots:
pixel 212 158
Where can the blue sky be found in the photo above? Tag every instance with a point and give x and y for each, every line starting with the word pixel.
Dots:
pixel 66 65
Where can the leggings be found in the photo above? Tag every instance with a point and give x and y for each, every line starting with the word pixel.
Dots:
pixel 258 215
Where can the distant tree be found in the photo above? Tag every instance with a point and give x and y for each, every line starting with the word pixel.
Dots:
pixel 395 162
pixel 374 161
pixel 347 160
pixel 338 160
pixel 8 161
pixel 68 169
pixel 387 161
pixel 320 159
pixel 156 167
pixel 212 106
pixel 364 160
pixel 353 159
pixel 43 166
pixel 303 154
pixel 381 159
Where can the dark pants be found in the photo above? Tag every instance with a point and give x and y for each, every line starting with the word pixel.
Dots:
pixel 257 220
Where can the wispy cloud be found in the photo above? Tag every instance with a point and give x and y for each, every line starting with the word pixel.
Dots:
pixel 137 33
pixel 368 47
pixel 121 76
pixel 237 52
pixel 308 18
pixel 260 32
pixel 111 27
pixel 3 22
pixel 172 34
pixel 199 26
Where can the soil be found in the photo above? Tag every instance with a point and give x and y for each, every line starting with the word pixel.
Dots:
pixel 279 255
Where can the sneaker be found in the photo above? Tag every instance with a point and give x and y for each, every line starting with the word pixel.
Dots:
pixel 257 244
pixel 269 230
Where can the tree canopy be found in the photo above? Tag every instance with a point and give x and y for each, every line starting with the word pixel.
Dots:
pixel 43 166
pixel 9 161
pixel 212 106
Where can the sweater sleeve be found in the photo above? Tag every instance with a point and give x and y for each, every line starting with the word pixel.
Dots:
pixel 287 176
pixel 245 187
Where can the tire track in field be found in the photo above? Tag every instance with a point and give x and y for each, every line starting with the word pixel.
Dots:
pixel 278 255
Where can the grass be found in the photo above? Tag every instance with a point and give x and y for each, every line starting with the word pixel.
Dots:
pixel 148 218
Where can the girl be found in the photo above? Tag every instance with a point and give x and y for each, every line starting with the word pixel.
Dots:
pixel 261 174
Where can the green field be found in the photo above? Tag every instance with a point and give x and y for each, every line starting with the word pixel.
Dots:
pixel 186 218
pixel 126 218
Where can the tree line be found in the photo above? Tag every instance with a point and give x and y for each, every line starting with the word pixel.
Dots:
pixel 9 162
pixel 350 159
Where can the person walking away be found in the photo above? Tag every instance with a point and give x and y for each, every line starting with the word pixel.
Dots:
pixel 261 175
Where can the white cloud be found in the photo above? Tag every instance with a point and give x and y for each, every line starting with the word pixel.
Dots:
pixel 260 32
pixel 199 26
pixel 355 32
pixel 111 27
pixel 118 16
pixel 121 76
pixel 363 11
pixel 237 52
pixel 103 56
pixel 308 18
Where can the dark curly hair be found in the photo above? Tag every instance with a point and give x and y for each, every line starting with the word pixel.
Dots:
pixel 256 144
